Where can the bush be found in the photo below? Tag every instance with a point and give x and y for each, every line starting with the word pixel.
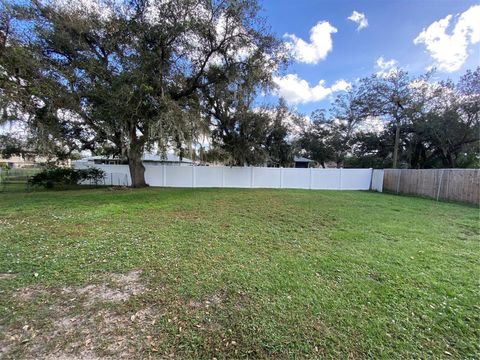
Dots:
pixel 54 176
pixel 94 175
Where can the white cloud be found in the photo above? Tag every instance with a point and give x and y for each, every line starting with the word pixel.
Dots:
pixel 385 67
pixel 298 91
pixel 450 50
pixel 319 46
pixel 360 19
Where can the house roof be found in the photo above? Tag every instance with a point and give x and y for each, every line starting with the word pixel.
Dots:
pixel 169 157
pixel 301 159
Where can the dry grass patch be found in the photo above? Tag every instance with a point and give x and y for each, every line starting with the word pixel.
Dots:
pixel 75 326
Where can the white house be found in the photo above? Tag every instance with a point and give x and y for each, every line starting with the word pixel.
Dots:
pixel 150 159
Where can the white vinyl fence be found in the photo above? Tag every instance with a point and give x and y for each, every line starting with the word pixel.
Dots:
pixel 242 177
pixel 377 180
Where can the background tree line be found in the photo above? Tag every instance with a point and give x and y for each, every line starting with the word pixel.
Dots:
pixel 427 124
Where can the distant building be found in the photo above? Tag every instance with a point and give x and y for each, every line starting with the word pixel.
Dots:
pixel 302 162
pixel 150 159
pixel 28 161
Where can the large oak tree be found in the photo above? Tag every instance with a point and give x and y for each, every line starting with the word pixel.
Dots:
pixel 127 74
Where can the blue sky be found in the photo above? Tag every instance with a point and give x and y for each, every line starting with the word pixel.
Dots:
pixel 392 28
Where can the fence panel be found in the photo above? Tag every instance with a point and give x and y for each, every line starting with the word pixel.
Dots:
pixel 115 175
pixel 328 179
pixel 355 179
pixel 264 177
pixel 155 175
pixel 209 176
pixel 440 184
pixel 296 178
pixel 377 180
pixel 237 177
pixel 179 176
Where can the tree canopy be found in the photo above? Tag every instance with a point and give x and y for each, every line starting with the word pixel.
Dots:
pixel 130 74
pixel 428 124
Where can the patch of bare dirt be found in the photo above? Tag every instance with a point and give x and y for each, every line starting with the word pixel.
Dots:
pixel 29 293
pixel 6 224
pixel 94 293
pixel 122 288
pixel 7 276
pixel 75 329
pixel 84 355
pixel 213 300
pixel 130 282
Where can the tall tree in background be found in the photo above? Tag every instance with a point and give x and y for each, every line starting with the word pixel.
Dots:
pixel 439 123
pixel 447 121
pixel 332 138
pixel 279 147
pixel 387 96
pixel 251 137
pixel 313 140
pixel 349 111
pixel 240 130
pixel 128 73
pixel 440 127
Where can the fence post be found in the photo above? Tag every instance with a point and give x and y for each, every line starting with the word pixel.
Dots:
pixel 440 183
pixel 223 176
pixel 194 180
pixel 447 185
pixel 281 177
pixel 340 179
pixel 251 176
pixel 164 175
pixel 371 179
pixel 398 180
pixel 310 179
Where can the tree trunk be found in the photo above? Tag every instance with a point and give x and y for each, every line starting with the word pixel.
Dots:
pixel 451 160
pixel 137 170
pixel 396 145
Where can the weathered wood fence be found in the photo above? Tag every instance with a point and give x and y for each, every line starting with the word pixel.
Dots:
pixel 441 184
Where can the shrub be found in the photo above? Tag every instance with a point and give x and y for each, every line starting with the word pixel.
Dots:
pixel 95 175
pixel 54 176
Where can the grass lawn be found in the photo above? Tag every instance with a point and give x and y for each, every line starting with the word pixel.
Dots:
pixel 209 273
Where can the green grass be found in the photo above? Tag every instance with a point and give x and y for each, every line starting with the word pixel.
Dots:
pixel 238 274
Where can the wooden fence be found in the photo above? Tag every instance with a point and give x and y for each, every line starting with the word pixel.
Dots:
pixel 441 184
